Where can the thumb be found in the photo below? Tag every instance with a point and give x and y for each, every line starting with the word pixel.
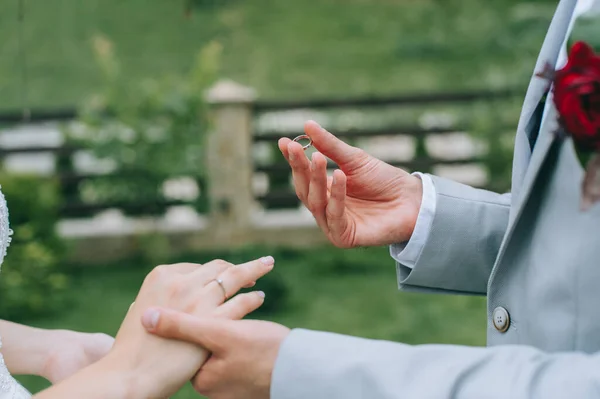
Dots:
pixel 329 145
pixel 206 332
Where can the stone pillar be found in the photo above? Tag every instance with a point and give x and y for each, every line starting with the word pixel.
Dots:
pixel 229 160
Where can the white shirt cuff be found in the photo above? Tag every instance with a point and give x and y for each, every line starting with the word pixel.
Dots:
pixel 408 253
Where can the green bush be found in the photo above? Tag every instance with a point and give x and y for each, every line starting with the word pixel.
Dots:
pixel 147 131
pixel 31 282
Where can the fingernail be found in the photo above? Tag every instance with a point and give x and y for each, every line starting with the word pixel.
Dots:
pixel 267 260
pixel 150 318
pixel 333 178
pixel 291 155
pixel 261 294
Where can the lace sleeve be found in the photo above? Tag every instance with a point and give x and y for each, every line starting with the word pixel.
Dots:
pixel 9 387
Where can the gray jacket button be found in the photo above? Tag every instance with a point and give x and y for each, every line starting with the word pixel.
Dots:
pixel 501 319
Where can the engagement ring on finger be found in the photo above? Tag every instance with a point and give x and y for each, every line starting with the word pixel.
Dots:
pixel 304 137
pixel 220 282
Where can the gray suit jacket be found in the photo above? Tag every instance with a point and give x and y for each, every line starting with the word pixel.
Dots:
pixel 534 255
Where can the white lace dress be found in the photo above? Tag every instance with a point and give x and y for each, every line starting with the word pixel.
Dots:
pixel 9 387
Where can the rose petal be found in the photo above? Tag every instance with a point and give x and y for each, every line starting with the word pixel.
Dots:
pixel 580 54
pixel 577 96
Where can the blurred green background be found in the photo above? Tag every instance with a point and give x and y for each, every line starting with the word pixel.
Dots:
pixel 283 48
pixel 286 50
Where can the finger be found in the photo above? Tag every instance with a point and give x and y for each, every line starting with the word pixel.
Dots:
pixel 300 170
pixel 252 284
pixel 336 206
pixel 209 271
pixel 317 191
pixel 210 333
pixel 330 146
pixel 241 305
pixel 283 147
pixel 163 272
pixel 234 278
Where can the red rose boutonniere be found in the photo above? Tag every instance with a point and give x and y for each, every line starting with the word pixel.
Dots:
pixel 576 89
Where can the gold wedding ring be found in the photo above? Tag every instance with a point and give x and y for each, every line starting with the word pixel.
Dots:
pixel 304 137
pixel 220 282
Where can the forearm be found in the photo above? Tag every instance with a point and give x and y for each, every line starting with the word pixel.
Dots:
pixel 320 366
pixel 25 349
pixel 119 377
pixel 104 379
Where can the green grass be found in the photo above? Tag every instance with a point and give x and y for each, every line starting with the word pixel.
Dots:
pixel 350 292
pixel 286 49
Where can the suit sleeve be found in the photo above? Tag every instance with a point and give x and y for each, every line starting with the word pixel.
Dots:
pixel 322 365
pixel 463 241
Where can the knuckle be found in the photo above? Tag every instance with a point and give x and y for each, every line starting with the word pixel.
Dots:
pixel 176 288
pixel 169 326
pixel 189 265
pixel 221 264
pixel 160 271
pixel 304 167
pixel 159 274
pixel 237 273
pixel 164 326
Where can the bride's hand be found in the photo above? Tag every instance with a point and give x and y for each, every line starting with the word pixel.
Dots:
pixel 166 365
pixel 71 351
pixel 141 365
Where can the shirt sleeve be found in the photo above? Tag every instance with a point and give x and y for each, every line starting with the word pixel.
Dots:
pixel 407 253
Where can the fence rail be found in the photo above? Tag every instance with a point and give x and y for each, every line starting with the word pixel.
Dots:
pixel 39 115
pixel 394 100
pixel 71 113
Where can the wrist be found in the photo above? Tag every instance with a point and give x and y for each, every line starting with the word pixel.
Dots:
pixel 107 378
pixel 33 354
pixel 414 194
pixel 146 374
pixel 127 383
pixel 53 342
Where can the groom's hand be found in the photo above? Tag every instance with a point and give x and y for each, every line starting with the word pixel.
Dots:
pixel 243 352
pixel 367 202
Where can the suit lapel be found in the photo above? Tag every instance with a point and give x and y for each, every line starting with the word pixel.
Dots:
pixel 527 164
pixel 524 169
